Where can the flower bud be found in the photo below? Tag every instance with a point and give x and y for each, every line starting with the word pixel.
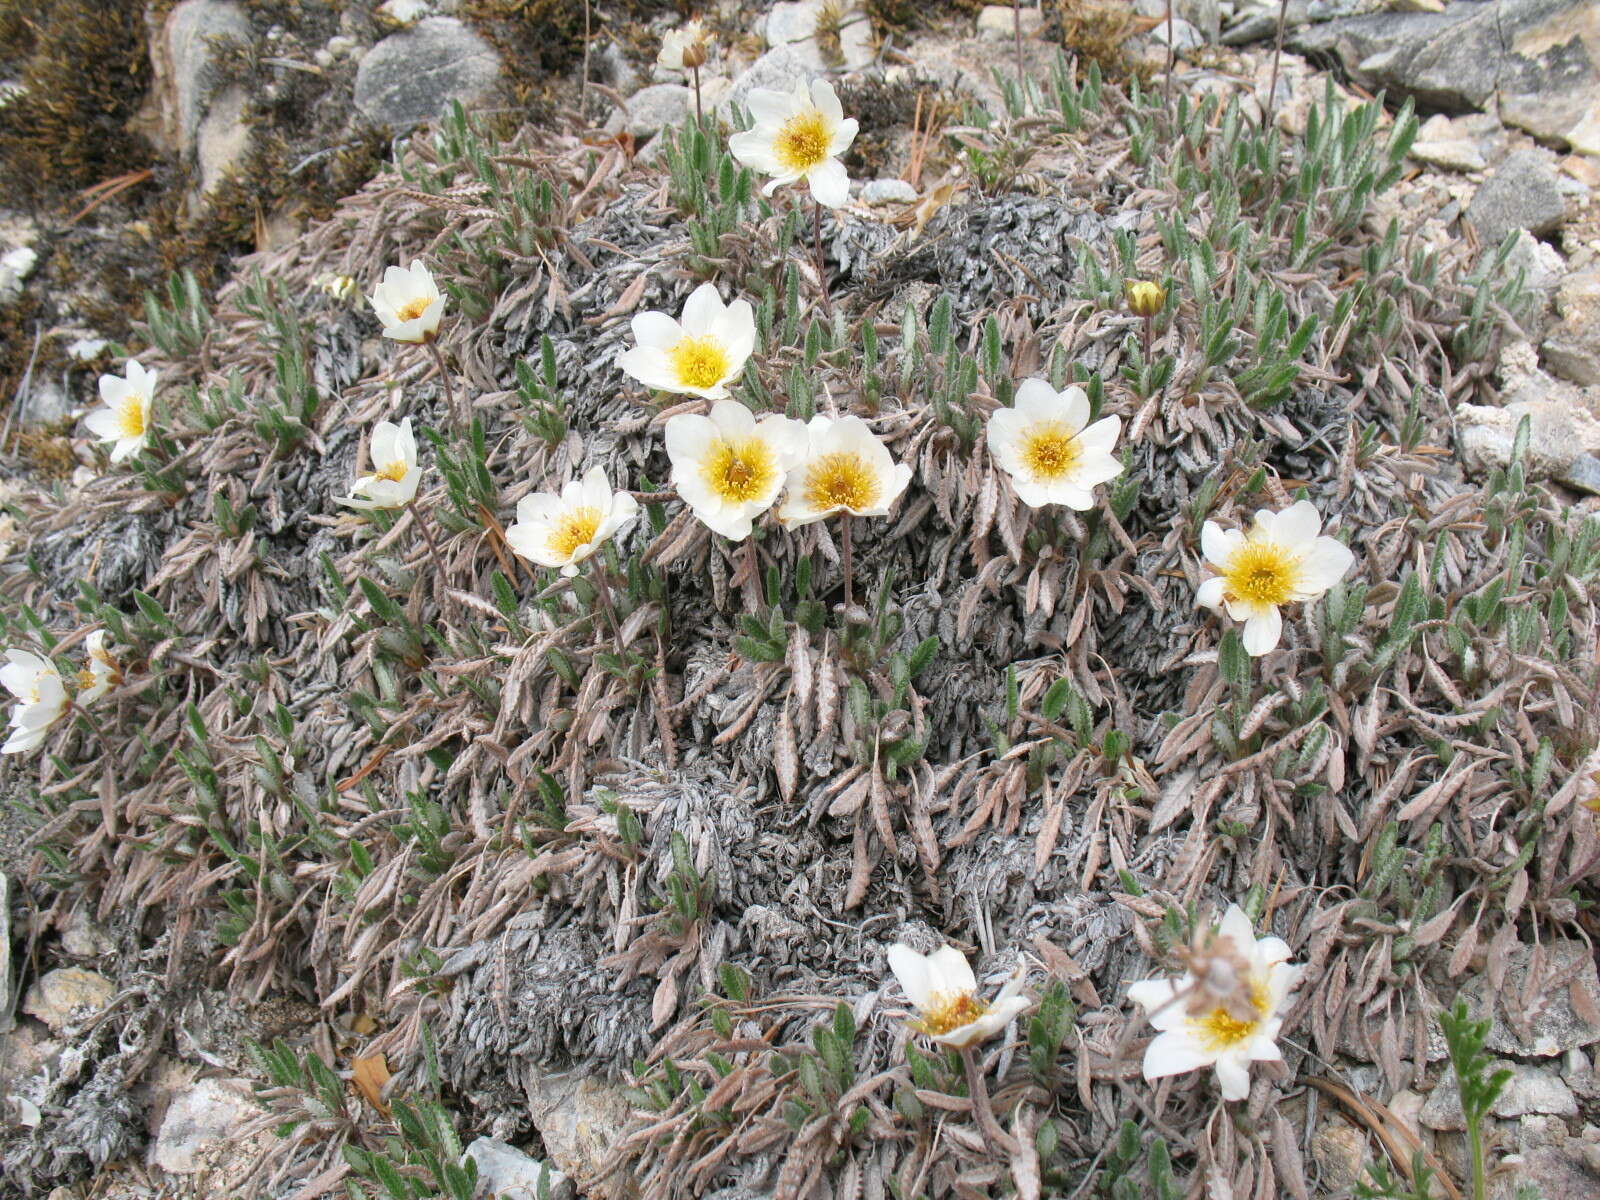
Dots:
pixel 1145 299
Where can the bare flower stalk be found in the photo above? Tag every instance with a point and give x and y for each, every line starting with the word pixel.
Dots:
pixel 822 266
pixel 1277 54
pixel 602 587
pixel 444 376
pixel 847 564
pixel 998 1139
pixel 1016 31
pixel 425 528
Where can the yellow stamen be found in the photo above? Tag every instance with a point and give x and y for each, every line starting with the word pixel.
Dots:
pixel 572 530
pixel 842 480
pixel 945 1013
pixel 412 309
pixel 395 471
pixel 85 678
pixel 699 362
pixel 740 471
pixel 1221 1029
pixel 1261 573
pixel 802 143
pixel 1049 451
pixel 131 416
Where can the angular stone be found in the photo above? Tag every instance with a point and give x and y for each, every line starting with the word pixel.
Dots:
pixel 781 69
pixel 996 22
pixel 1532 56
pixel 223 139
pixel 15 267
pixel 652 109
pixel 887 191
pixel 1557 434
pixel 1339 1149
pixel 1552 1026
pixel 181 57
pixel 1572 350
pixel 1535 1090
pixel 795 24
pixel 1523 193
pixel 581 1119
pixel 201 1118
pixel 412 76
pixel 1440 144
pixel 68 994
pixel 508 1174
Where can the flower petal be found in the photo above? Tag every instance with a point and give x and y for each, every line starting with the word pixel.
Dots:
pixel 1262 631
pixel 913 972
pixel 830 183
pixel 1173 1053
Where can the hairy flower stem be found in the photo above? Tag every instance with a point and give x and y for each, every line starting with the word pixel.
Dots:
pixel 1277 53
pixel 602 587
pixel 444 376
pixel 105 743
pixel 583 92
pixel 822 266
pixel 1149 321
pixel 699 113
pixel 1172 54
pixel 425 528
pixel 847 563
pixel 997 1138
pixel 1016 32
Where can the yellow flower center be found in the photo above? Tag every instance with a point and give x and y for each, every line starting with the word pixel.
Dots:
pixel 740 471
pixel 842 480
pixel 131 416
pixel 412 309
pixel 802 142
pixel 1261 573
pixel 572 530
pixel 395 471
pixel 699 362
pixel 946 1013
pixel 85 678
pixel 1049 451
pixel 1220 1028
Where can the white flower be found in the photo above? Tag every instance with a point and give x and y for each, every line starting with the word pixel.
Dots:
pixel 798 136
pixel 1228 1038
pixel 124 418
pixel 699 355
pixel 393 483
pixel 100 671
pixel 41 697
pixel 944 992
pixel 1281 560
pixel 729 467
pixel 562 531
pixel 846 469
pixel 1043 444
pixel 408 303
pixel 686 48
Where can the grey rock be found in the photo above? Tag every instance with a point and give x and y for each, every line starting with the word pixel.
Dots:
pixel 15 267
pixel 8 1022
pixel 1530 55
pixel 1530 1090
pixel 997 22
pixel 508 1173
pixel 1535 1090
pixel 1257 21
pixel 1572 349
pixel 413 75
pixel 1442 142
pixel 1551 1026
pixel 780 69
pixel 652 109
pixel 224 137
pixel 182 57
pixel 1339 1149
pixel 1541 266
pixel 887 191
pixel 84 937
pixel 795 24
pixel 1557 433
pixel 200 1119
pixel 46 404
pixel 1521 194
pixel 1583 474
pixel 580 1118
pixel 67 994
pixel 1184 35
